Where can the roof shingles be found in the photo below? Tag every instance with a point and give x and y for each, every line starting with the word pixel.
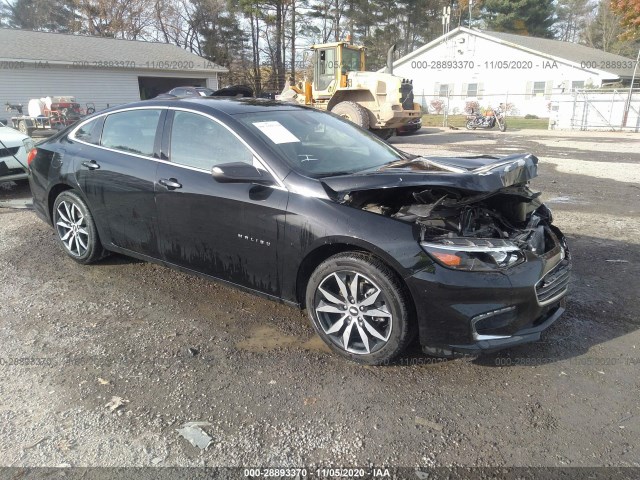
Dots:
pixel 572 52
pixel 585 57
pixel 26 45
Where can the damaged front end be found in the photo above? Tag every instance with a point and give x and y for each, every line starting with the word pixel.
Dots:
pixel 473 232
pixel 475 215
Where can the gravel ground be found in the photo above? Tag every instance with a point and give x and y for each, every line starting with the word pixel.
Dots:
pixel 175 349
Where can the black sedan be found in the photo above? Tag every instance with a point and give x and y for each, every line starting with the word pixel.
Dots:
pixel 304 207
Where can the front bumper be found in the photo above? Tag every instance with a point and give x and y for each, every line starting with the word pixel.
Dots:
pixel 10 169
pixel 526 335
pixel 462 313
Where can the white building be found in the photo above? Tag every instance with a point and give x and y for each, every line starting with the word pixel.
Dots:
pixel 469 65
pixel 103 71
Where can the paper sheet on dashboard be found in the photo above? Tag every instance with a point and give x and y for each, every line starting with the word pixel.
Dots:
pixel 276 132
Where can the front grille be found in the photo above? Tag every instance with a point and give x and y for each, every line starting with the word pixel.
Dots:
pixel 554 284
pixel 8 152
pixel 406 95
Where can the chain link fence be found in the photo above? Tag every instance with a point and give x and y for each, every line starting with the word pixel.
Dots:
pixel 578 109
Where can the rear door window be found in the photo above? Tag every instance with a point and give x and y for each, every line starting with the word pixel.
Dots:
pixel 133 131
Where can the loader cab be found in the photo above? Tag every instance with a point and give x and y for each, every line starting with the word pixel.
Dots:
pixel 332 61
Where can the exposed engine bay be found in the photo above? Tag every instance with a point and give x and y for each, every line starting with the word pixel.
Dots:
pixel 513 213
pixel 467 208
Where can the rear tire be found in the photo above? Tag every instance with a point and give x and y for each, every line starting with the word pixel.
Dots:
pixel 354 295
pixel 353 112
pixel 22 127
pixel 76 229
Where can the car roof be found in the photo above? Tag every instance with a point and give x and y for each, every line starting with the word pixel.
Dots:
pixel 230 106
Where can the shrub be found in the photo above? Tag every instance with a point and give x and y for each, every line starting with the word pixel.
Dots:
pixel 437 105
pixel 528 116
pixel 472 106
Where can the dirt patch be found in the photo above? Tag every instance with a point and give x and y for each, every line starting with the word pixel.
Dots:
pixel 180 349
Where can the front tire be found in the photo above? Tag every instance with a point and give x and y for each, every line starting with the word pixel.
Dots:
pixel 76 229
pixel 502 125
pixel 353 112
pixel 359 308
pixel 470 125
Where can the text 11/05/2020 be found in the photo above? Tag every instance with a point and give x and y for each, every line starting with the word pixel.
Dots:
pixel 318 472
pixel 487 65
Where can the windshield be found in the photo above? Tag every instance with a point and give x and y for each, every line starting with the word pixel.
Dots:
pixel 317 144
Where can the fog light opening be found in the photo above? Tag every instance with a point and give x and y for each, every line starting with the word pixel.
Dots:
pixel 489 315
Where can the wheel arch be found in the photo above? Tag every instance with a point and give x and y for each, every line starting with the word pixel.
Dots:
pixel 318 255
pixel 53 194
pixel 357 96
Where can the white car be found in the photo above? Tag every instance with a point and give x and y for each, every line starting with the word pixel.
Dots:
pixel 14 147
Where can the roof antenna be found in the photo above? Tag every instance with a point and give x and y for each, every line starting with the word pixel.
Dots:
pixel 446 18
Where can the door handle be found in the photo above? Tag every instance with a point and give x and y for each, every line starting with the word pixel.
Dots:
pixel 170 183
pixel 91 165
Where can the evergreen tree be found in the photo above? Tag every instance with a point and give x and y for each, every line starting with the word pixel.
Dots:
pixel 523 17
pixel 44 15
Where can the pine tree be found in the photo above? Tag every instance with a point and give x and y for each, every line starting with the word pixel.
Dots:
pixel 44 15
pixel 524 17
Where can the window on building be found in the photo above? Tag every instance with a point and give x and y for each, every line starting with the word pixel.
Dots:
pixel 444 90
pixel 539 88
pixel 472 90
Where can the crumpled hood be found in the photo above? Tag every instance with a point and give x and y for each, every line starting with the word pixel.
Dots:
pixel 474 174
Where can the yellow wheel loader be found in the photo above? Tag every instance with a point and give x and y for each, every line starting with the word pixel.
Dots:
pixel 380 102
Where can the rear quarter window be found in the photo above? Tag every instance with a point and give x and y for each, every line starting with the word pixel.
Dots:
pixel 90 131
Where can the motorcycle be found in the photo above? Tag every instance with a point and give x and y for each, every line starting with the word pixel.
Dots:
pixel 489 120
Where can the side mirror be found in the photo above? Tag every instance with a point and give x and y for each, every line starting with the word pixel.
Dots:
pixel 240 172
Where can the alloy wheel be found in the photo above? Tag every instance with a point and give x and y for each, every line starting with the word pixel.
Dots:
pixel 72 228
pixel 353 312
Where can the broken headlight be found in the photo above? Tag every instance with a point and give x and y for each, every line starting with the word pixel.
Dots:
pixel 474 254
